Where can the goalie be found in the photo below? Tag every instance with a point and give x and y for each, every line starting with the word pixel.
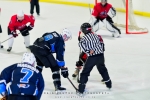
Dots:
pixel 103 12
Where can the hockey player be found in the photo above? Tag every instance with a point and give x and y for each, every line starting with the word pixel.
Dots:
pixel 22 22
pixel 103 12
pixel 91 45
pixel 25 81
pixel 34 3
pixel 43 49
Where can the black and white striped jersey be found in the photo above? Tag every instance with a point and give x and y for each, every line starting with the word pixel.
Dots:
pixel 89 42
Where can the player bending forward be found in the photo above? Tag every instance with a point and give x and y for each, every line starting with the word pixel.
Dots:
pixel 22 22
pixel 26 82
pixel 91 45
pixel 43 49
pixel 103 12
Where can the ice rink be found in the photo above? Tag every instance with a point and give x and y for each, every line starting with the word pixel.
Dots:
pixel 127 58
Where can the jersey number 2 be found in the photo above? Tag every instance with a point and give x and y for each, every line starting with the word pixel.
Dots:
pixel 28 75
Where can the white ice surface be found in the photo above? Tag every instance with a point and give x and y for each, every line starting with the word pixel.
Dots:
pixel 127 58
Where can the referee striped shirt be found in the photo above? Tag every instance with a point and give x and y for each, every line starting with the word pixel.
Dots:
pixel 91 42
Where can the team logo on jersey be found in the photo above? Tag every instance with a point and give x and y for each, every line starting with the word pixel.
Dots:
pixel 103 13
pixel 23 85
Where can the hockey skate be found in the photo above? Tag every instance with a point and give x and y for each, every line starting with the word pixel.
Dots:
pixel 9 49
pixel 74 75
pixel 113 35
pixel 58 88
pixel 81 91
pixel 108 84
pixel 103 81
pixel 38 14
pixel 80 94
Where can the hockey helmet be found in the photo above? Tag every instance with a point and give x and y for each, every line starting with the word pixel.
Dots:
pixel 66 34
pixel 28 58
pixel 86 28
pixel 20 15
pixel 103 0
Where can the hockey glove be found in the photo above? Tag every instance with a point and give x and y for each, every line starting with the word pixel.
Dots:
pixel 29 27
pixel 79 63
pixel 64 72
pixel 14 34
pixel 24 31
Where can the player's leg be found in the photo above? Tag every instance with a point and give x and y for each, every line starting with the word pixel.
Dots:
pixel 1 46
pixel 10 41
pixel 79 64
pixel 31 7
pixel 40 65
pixel 0 29
pixel 25 33
pixel 27 41
pixel 37 7
pixel 103 71
pixel 55 71
pixel 89 64
pixel 108 23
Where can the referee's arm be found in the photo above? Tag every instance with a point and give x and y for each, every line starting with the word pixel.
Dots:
pixel 83 46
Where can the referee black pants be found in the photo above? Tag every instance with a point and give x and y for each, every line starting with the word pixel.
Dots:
pixel 34 3
pixel 97 60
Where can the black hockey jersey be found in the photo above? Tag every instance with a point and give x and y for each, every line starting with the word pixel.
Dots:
pixel 54 43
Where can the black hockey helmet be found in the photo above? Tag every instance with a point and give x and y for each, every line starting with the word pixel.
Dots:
pixel 86 28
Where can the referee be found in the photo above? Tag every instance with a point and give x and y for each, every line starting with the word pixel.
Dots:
pixel 91 45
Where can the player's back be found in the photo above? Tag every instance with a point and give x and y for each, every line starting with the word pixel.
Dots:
pixel 24 80
pixel 51 37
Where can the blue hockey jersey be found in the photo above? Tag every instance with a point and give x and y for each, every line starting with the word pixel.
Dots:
pixel 24 79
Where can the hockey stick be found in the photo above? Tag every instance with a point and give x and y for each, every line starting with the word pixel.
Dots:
pixel 96 22
pixel 10 38
pixel 72 84
pixel 6 40
pixel 78 71
pixel 90 13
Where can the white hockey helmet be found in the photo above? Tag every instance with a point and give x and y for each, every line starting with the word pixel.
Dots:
pixel 103 2
pixel 28 58
pixel 66 34
pixel 20 15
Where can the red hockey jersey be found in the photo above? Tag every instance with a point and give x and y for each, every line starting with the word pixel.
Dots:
pixel 15 24
pixel 101 11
